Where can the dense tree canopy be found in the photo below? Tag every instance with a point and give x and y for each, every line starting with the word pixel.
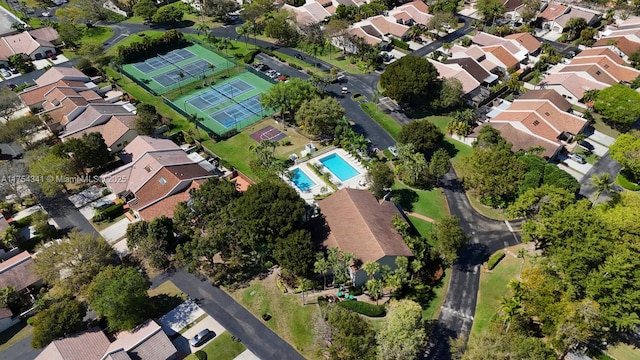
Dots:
pixel 280 25
pixel 344 335
pixel 120 294
pixel 63 317
pixel 72 264
pixel 410 80
pixel 381 177
pixel 490 10
pixel 618 103
pixel 403 335
pixel 287 97
pixel 145 9
pixel 423 134
pixel 450 238
pixel 168 14
pixel 19 130
pixel 319 116
pixel 151 239
pixel 626 151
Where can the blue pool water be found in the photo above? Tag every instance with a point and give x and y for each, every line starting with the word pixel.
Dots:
pixel 301 180
pixel 339 167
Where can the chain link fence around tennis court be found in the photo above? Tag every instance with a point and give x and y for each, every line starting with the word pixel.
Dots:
pixel 136 80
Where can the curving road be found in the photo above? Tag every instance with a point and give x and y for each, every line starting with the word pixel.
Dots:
pixel 487 236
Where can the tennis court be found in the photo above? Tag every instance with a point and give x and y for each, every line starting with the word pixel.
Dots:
pixel 233 103
pixel 165 72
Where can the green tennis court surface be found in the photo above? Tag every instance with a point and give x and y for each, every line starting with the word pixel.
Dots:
pixel 176 68
pixel 230 104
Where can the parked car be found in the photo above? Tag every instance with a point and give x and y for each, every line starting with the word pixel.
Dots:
pixel 270 72
pixel 50 54
pixel 5 72
pixel 393 151
pixel 13 70
pixel 298 56
pixel 11 86
pixel 577 158
pixel 103 204
pixel 46 14
pixel 344 90
pixel 202 337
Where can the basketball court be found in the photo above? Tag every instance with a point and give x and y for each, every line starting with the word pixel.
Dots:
pixel 268 133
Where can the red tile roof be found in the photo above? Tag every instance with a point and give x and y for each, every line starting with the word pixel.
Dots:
pixel 526 40
pixel 552 11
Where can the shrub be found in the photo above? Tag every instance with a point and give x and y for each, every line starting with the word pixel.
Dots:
pixel 106 191
pixel 364 308
pixel 400 44
pixel 25 221
pixel 250 56
pixel 201 355
pixel 281 286
pixel 146 48
pixel 494 260
pixel 109 213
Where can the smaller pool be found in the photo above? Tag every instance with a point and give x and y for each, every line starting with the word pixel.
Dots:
pixel 339 167
pixel 301 180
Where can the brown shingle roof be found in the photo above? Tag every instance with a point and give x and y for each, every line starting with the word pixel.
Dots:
pixel 520 139
pixel 359 224
pixel 88 345
pixel 552 11
pixel 146 342
pixel 167 205
pixel 166 181
pixel 34 95
pixel 114 129
pixel 547 94
pixel 526 40
pixel 5 313
pixel 472 67
pixel 17 272
pixel 623 44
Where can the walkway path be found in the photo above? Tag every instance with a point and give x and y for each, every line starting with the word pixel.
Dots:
pixel 420 216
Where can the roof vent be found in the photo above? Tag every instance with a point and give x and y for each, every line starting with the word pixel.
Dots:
pixel 547 113
pixel 148 168
pixel 536 123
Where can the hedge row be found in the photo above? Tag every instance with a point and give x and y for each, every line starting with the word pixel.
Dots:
pixel 399 43
pixel 148 47
pixel 109 213
pixel 364 308
pixel 494 260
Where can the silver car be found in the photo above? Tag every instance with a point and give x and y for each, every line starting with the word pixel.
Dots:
pixel 202 337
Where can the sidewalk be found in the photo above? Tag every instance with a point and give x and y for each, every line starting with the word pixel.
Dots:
pixel 27 212
pixel 420 216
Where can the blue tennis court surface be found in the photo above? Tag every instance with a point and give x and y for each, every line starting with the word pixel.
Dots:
pixel 220 94
pixel 177 74
pixel 161 61
pixel 238 112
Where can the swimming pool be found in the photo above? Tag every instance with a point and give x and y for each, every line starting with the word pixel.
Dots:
pixel 301 180
pixel 339 167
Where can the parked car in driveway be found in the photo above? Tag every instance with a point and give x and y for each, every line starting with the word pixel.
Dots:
pixel 577 158
pixel 393 151
pixel 202 337
pixel 5 72
pixel 103 204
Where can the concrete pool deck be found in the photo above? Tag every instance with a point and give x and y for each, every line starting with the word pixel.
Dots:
pixel 321 187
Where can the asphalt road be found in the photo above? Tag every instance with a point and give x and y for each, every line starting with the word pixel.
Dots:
pixel 253 333
pixel 65 214
pixel 604 165
pixel 21 350
pixel 449 38
pixel 487 236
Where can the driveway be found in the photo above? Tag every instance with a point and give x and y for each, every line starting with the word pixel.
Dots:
pixel 182 342
pixel 21 350
pixel 65 214
pixel 487 236
pixel 581 168
pixel 116 231
pixel 247 355
pixel 255 335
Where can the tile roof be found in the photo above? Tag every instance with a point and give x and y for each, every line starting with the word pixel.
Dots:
pixel 504 56
pixel 387 27
pixel 34 96
pixel 18 272
pixel 88 345
pixel 484 39
pixel 547 94
pixel 418 10
pixel 472 67
pixel 621 43
pixel 61 73
pixel 552 11
pixel 20 43
pixel 453 70
pixel 589 17
pixel 117 355
pixel 520 139
pixel 143 144
pixel 359 224
pixel 573 83
pixel 46 33
pixel 526 40
pixel 619 72
pixel 369 39
pixel 592 70
pixel 114 129
pixel 94 114
pixel 146 342
pixel 167 205
pixel 590 52
pixel 167 181
pixel 541 118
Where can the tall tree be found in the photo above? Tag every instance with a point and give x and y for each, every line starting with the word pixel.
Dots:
pixel 72 264
pixel 319 116
pixel 151 240
pixel 295 253
pixel 120 294
pixel 381 177
pixel 450 238
pixel 410 80
pixel 12 184
pixel 9 103
pixel 168 14
pixel 63 317
pixel 344 335
pixel 219 9
pixel 287 97
pixel 403 335
pixel 574 26
pixel 423 134
pixel 145 9
pixel 491 10
pixel 626 151
pixel 450 93
pixel 52 171
pixel 280 25
pixel 618 103
pixel 321 266
pixel 601 183
pixel 440 164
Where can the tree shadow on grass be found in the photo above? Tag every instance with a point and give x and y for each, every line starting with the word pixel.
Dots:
pixel 405 198
pixel 449 147
pixel 163 303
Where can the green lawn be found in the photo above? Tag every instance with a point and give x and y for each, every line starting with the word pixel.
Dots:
pixel 493 286
pixel 96 35
pixel 626 183
pixel 167 288
pixel 289 319
pixel 384 120
pixel 491 213
pixel 430 203
pixel 424 227
pixel 624 352
pixel 235 151
pixel 221 348
pixel 14 334
pixel 456 149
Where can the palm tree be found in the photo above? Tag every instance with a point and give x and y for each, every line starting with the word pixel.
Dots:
pixel 371 268
pixel 321 266
pixel 415 32
pixel 7 293
pixel 509 308
pixel 202 28
pixel 514 83
pixel 305 284
pixel 601 183
pixel 10 237
pixel 244 30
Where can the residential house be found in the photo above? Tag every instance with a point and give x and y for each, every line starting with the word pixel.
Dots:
pixel 33 97
pixel 494 59
pixel 311 12
pixel 602 65
pixel 147 342
pixel 18 273
pixel 473 91
pixel 555 16
pixel 622 38
pixel 359 224
pixel 34 44
pixel 527 41
pixel 116 118
pixel 571 85
pixel 511 9
pixel 7 319
pixel 117 132
pixel 154 170
pixel 520 45
pixel 541 114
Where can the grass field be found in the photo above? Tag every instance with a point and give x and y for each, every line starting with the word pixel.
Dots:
pixel 167 288
pixel 384 120
pixel 220 64
pixel 128 40
pixel 491 213
pixel 624 352
pixel 221 348
pixel 432 311
pixel 493 286
pixel 289 319
pixel 430 203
